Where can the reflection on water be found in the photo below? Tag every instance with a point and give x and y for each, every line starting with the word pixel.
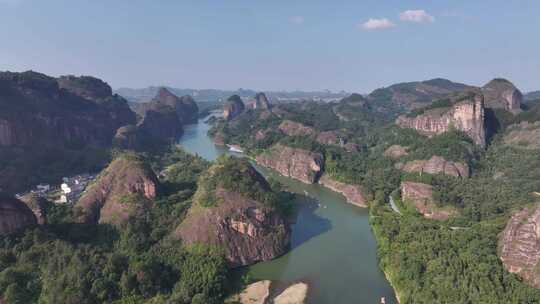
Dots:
pixel 333 249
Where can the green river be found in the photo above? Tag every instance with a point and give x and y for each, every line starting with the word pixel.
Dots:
pixel 332 247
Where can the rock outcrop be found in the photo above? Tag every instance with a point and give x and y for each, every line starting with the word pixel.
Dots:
pixel 160 121
pixel 421 197
pixel 465 115
pixel 254 293
pixel 303 165
pixel 36 110
pixel 519 245
pixel 259 102
pixel 525 135
pixel 293 128
pixel 124 189
pixel 294 294
pixel 38 205
pixel 502 94
pixel 436 165
pixel 186 108
pixel 233 107
pixel 396 151
pixel 353 193
pixel 14 215
pixel 248 229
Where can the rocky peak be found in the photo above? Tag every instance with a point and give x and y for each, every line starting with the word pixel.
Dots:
pixel 14 215
pixel 519 245
pixel 38 205
pixel 233 107
pixel 186 108
pixel 124 189
pixel 85 86
pixel 240 220
pixel 261 101
pixel 466 114
pixel 500 93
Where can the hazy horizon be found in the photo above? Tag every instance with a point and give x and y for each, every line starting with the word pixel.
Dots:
pixel 278 46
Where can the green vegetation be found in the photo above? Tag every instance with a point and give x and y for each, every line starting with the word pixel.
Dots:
pixel 65 262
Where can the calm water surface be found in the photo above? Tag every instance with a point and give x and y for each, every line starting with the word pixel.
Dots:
pixel 333 248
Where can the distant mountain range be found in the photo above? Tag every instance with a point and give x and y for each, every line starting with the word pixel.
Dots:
pixel 532 95
pixel 146 94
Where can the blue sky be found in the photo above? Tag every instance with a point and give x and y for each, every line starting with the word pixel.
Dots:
pixel 308 44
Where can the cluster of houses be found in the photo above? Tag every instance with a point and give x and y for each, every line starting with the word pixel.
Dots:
pixel 69 191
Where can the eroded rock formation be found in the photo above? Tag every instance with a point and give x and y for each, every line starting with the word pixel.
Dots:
pixel 421 197
pixel 38 205
pixel 14 215
pixel 353 193
pixel 519 245
pixel 300 164
pixel 502 94
pixel 248 230
pixel 436 165
pixel 233 107
pixel 125 188
pixel 466 115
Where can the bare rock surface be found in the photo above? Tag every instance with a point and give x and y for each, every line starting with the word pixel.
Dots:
pixel 255 293
pixel 436 165
pixel 292 128
pixel 328 138
pixel 300 164
pixel 38 205
pixel 502 94
pixel 249 231
pixel 421 196
pixel 124 189
pixel 14 215
pixel 353 193
pixel 519 245
pixel 466 115
pixel 233 107
pixel 294 294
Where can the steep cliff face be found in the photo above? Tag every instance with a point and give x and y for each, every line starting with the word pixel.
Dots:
pixel 249 229
pixel 35 110
pixel 124 189
pixel 233 107
pixel 421 197
pixel 302 165
pixel 465 115
pixel 519 245
pixel 502 94
pixel 436 165
pixel 353 193
pixel 160 121
pixel 186 108
pixel 292 128
pixel 14 215
pixel 259 102
pixel 38 205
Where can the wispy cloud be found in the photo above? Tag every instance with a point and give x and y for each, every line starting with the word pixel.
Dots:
pixel 377 24
pixel 298 20
pixel 418 16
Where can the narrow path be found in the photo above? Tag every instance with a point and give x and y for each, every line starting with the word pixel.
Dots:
pixel 393 204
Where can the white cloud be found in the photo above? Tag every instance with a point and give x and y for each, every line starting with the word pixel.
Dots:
pixel 418 16
pixel 377 24
pixel 297 20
